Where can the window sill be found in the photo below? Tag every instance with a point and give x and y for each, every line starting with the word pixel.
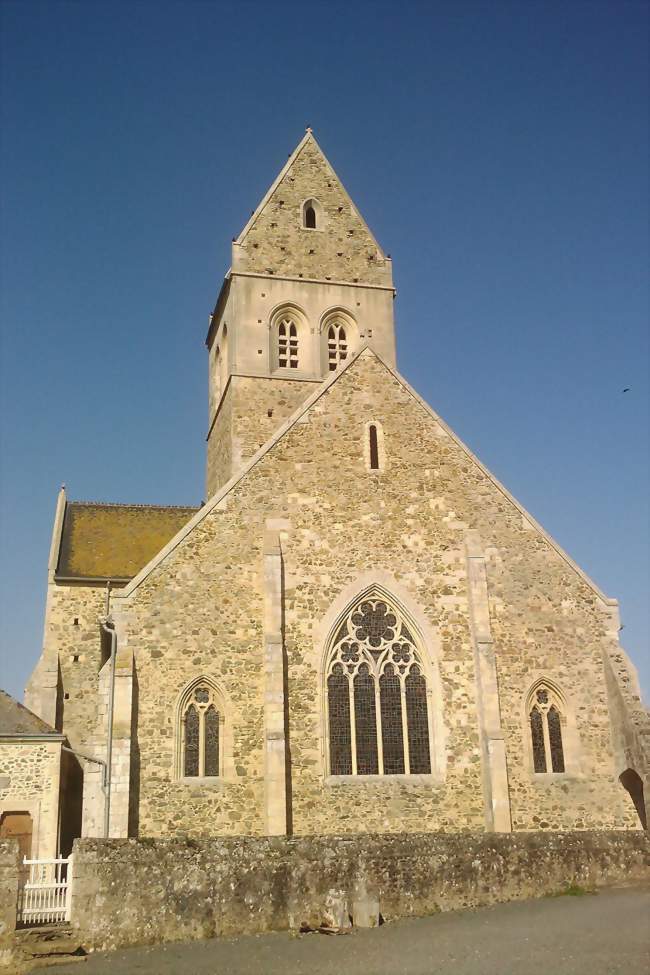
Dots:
pixel 289 372
pixel 381 780
pixel 202 781
pixel 548 778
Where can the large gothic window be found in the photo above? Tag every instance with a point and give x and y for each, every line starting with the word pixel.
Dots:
pixel 377 709
pixel 545 710
pixel 287 344
pixel 200 732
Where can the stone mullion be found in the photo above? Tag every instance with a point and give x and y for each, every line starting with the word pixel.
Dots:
pixel 547 741
pixel 405 727
pixel 353 726
pixel 183 737
pixel 201 741
pixel 380 740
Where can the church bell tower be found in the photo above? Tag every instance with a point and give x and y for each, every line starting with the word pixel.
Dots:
pixel 308 285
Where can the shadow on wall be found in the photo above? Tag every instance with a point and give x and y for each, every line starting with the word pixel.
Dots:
pixel 632 783
pixel 70 802
pixel 134 778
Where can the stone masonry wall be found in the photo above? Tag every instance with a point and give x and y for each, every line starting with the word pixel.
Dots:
pixel 200 612
pixel 27 769
pixel 29 782
pixel 8 896
pixel 219 446
pixel 129 892
pixel 243 424
pixel 72 636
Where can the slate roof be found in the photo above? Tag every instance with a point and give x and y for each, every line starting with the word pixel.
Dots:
pixel 16 719
pixel 114 541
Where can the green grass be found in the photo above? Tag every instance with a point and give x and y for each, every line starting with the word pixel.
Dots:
pixel 572 890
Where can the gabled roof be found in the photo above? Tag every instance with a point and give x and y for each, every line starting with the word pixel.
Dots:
pixel 16 720
pixel 114 541
pixel 365 350
pixel 274 241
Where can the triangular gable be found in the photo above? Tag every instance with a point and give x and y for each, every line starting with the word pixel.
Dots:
pixel 222 494
pixel 274 241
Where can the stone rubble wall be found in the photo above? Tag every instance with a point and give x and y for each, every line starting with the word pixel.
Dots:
pixel 29 782
pixel 129 892
pixel 8 897
pixel 243 423
pixel 342 249
pixel 200 613
pixel 72 631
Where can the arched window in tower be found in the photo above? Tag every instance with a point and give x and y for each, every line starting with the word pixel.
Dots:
pixel 337 345
pixel 200 732
pixel 312 215
pixel 377 702
pixel 545 715
pixel 287 344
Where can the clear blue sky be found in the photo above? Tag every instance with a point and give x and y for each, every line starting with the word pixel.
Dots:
pixel 498 151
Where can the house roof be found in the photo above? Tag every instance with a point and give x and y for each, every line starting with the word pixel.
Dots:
pixel 16 719
pixel 114 541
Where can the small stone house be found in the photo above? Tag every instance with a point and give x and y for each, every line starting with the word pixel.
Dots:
pixel 34 773
pixel 361 630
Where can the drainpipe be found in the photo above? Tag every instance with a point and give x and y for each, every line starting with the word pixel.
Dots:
pixel 108 626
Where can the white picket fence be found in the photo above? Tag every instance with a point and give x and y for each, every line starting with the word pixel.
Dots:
pixel 45 891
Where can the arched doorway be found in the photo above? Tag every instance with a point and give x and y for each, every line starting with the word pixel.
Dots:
pixel 18 826
pixel 632 783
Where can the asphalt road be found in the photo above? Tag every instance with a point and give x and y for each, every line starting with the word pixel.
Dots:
pixel 599 934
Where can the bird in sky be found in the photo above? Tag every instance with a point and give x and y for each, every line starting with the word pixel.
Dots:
pixel 627 389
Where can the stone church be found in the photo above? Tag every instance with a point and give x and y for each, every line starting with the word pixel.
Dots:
pixel 361 630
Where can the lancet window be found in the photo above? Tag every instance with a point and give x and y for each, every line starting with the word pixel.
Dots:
pixel 312 215
pixel 287 344
pixel 545 711
pixel 337 345
pixel 200 733
pixel 377 705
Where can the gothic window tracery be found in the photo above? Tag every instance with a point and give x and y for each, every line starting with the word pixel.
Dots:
pixel 377 706
pixel 287 344
pixel 545 711
pixel 200 732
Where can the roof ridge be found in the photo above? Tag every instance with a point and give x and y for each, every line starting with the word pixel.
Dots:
pixel 127 504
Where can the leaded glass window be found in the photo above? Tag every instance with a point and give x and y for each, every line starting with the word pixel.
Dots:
pixel 378 712
pixel 191 757
pixel 545 717
pixel 200 738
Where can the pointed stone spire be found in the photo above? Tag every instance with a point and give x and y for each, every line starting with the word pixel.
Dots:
pixel 306 226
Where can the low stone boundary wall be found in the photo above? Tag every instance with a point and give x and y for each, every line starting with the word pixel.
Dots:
pixel 129 892
pixel 8 898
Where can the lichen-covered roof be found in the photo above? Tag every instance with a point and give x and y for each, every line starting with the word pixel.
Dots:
pixel 114 541
pixel 16 719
